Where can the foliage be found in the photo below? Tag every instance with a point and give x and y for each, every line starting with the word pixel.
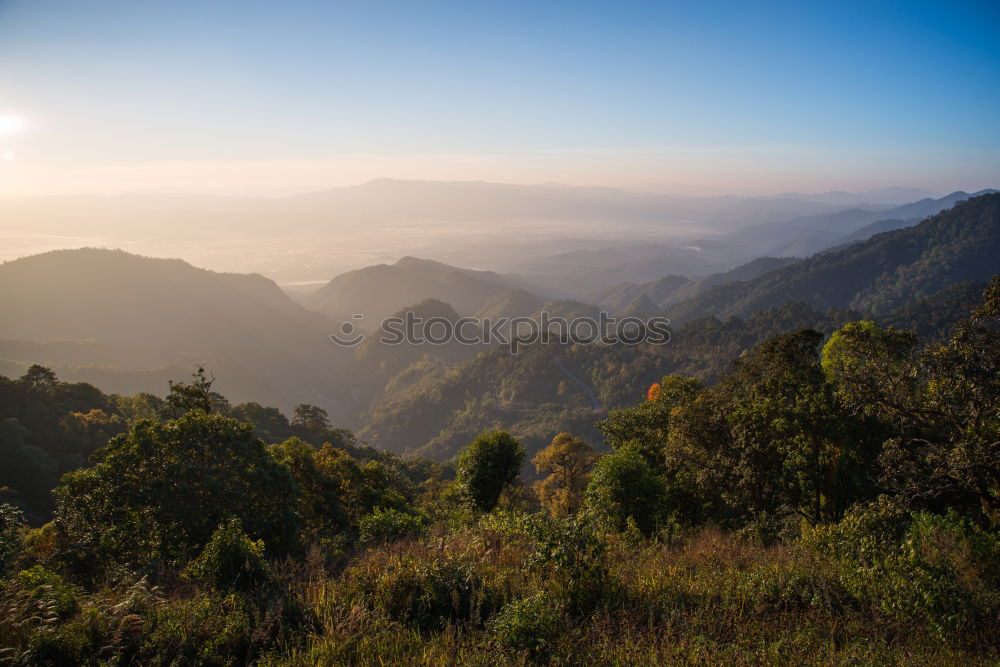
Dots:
pixel 567 461
pixel 427 594
pixel 941 569
pixel 626 487
pixel 487 466
pixel 47 428
pixel 157 494
pixel 231 560
pixel 385 525
pixel 938 407
pixel 11 535
pixel 529 626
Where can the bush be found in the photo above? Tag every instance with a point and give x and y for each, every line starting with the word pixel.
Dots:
pixel 625 486
pixel 386 525
pixel 204 630
pixel 531 625
pixel 11 535
pixel 231 560
pixel 566 552
pixel 940 569
pixel 49 591
pixel 428 594
pixel 488 465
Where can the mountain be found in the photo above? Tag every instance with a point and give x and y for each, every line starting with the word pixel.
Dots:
pixel 432 409
pixel 873 276
pixel 617 297
pixel 751 269
pixel 871 230
pixel 658 294
pixel 893 196
pixel 583 271
pixel 809 234
pixel 123 321
pixel 510 304
pixel 378 291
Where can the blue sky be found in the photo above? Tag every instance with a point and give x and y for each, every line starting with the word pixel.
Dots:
pixel 739 97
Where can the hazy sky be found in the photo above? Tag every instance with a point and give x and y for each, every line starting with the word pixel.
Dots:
pixel 240 96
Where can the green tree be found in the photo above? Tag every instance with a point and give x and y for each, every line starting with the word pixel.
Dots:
pixel 626 487
pixel 157 493
pixel 326 497
pixel 645 427
pixel 11 534
pixel 187 396
pixel 488 465
pixel 311 417
pixel 940 407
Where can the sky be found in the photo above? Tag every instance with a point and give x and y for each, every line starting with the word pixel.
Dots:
pixel 237 97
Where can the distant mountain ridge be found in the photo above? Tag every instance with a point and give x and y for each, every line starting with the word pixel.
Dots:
pixel 381 290
pixel 132 316
pixel 581 272
pixel 879 274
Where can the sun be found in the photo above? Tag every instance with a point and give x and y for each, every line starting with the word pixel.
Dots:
pixel 9 124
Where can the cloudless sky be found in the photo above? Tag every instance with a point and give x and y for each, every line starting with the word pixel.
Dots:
pixel 687 96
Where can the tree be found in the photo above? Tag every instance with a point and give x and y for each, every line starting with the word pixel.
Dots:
pixel 939 407
pixel 488 465
pixel 645 426
pixel 625 487
pixel 567 461
pixel 311 417
pixel 158 492
pixel 324 504
pixel 39 380
pixel 184 396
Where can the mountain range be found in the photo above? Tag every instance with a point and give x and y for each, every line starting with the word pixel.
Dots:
pixel 130 323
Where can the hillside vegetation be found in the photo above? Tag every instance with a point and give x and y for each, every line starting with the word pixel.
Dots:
pixel 873 276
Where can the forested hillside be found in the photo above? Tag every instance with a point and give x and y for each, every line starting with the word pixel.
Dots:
pixel 432 408
pixel 873 276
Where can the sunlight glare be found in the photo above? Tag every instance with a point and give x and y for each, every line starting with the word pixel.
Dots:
pixel 10 124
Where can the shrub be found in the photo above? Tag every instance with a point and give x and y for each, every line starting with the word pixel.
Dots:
pixel 231 560
pixel 425 593
pixel 916 566
pixel 204 630
pixel 11 533
pixel 386 525
pixel 49 590
pixel 625 486
pixel 531 625
pixel 567 553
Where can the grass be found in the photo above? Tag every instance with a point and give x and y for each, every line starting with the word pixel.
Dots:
pixel 482 596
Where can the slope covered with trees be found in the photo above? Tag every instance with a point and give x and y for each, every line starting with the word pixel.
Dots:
pixel 875 276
